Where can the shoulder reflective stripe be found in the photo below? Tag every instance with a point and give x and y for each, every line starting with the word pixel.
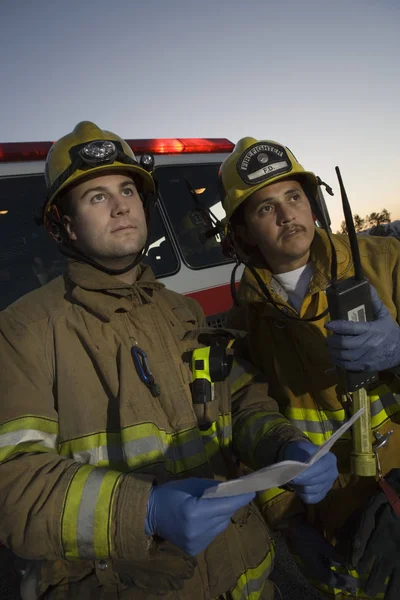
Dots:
pixel 242 374
pixel 251 583
pixel 144 444
pixel 250 430
pixel 87 513
pixel 27 434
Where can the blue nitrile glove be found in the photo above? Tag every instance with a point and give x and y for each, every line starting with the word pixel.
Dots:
pixel 177 513
pixel 311 485
pixel 366 346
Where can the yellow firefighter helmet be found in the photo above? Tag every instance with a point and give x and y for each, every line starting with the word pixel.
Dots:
pixel 89 150
pixel 254 164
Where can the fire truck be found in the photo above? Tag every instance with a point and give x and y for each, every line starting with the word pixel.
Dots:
pixel 181 255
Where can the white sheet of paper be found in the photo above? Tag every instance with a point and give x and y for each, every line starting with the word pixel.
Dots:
pixel 278 474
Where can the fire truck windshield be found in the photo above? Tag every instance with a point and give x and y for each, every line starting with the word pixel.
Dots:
pixel 187 213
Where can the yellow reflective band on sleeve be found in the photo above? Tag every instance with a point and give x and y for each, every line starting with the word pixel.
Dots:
pixel 251 583
pixel 384 404
pixel 249 431
pixel 27 434
pixel 210 440
pixel 218 435
pixel 140 446
pixel 87 511
pixel 224 427
pixel 357 593
pixel 101 449
pixel 268 496
pixel 317 425
pixel 145 444
pixel 241 375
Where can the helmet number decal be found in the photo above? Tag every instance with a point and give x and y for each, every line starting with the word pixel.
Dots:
pixel 263 161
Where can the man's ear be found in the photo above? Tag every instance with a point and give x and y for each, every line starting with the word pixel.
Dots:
pixel 67 222
pixel 242 233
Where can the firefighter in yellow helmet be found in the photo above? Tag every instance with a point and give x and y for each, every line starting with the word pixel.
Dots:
pixel 104 452
pixel 271 203
pixel 85 154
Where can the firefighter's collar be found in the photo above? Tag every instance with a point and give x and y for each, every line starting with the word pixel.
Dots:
pixel 104 294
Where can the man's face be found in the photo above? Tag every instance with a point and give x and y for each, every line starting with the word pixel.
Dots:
pixel 107 221
pixel 279 221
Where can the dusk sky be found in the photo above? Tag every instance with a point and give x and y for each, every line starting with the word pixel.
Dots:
pixel 320 76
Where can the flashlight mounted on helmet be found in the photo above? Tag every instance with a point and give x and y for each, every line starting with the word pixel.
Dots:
pixel 84 157
pixel 98 152
pixel 147 162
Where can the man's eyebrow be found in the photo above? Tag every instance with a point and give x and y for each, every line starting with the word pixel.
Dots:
pixel 98 188
pixel 292 191
pixel 102 188
pixel 127 182
pixel 272 198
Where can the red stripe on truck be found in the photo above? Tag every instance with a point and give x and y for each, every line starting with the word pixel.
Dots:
pixel 213 300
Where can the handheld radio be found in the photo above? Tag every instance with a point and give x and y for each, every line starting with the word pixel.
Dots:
pixel 350 299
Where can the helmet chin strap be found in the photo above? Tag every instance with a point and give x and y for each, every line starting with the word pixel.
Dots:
pixel 67 250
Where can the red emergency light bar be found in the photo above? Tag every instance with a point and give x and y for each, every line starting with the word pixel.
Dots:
pixel 30 151
pixel 24 151
pixel 181 145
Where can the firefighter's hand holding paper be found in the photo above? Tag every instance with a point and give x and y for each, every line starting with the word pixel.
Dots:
pixel 177 513
pixel 315 482
pixel 278 474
